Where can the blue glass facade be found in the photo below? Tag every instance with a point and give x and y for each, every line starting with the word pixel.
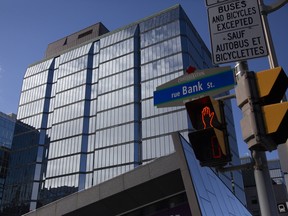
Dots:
pixel 93 105
pixel 7 126
pixel 213 196
pixel 22 179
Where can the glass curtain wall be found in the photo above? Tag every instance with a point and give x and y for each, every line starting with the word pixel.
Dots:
pixel 4 159
pixel 7 126
pixel 117 136
pixel 23 172
pixel 169 44
pixel 33 110
pixel 161 61
pixel 93 105
pixel 68 125
pixel 214 197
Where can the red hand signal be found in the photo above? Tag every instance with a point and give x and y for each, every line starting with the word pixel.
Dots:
pixel 207 117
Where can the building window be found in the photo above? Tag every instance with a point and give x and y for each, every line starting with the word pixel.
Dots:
pixel 85 34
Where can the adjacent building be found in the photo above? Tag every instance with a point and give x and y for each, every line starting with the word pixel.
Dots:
pixel 21 176
pixel 7 125
pixel 172 185
pixel 91 102
pixel 4 159
pixel 278 184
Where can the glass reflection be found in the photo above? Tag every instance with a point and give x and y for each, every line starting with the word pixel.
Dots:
pixel 118 36
pixel 75 53
pixel 45 65
pixel 35 80
pixel 159 34
pixel 213 195
pixel 116 65
pixel 110 82
pixel 33 94
pixel 71 81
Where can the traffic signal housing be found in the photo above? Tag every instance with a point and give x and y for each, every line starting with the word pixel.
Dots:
pixel 272 85
pixel 210 138
pixel 265 118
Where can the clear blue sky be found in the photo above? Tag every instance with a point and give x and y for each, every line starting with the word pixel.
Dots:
pixel 27 27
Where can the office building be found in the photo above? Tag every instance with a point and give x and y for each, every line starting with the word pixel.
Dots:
pixel 278 184
pixel 91 99
pixel 7 125
pixel 4 158
pixel 23 170
pixel 283 152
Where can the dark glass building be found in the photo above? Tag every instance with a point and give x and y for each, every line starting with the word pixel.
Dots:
pixel 7 125
pixel 23 170
pixel 4 159
pixel 91 101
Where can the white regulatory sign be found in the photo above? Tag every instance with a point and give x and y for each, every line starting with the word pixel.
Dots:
pixel 236 31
